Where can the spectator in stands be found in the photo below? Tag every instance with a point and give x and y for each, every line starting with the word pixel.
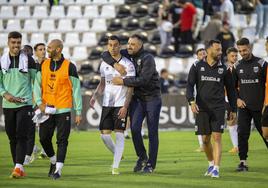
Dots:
pixel 54 2
pixel 163 9
pixel 212 29
pixel 227 39
pixel 174 17
pixel 262 17
pixel 164 83
pixel 199 16
pixel 227 11
pixel 187 22
pixel 16 76
pixel 165 31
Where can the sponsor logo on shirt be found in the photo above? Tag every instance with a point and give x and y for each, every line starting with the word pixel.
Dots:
pixel 249 81
pixel 210 78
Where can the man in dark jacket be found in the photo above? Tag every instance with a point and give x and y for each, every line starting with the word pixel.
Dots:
pixel 146 101
pixel 250 75
pixel 210 76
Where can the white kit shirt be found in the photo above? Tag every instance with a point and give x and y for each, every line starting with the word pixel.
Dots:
pixel 115 95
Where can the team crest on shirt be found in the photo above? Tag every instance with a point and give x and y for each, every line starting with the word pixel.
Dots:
pixel 241 71
pixel 106 68
pixel 139 62
pixel 202 69
pixel 220 70
pixel 256 69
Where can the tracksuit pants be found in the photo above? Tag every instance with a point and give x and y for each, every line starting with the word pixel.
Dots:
pixel 63 124
pixel 17 123
pixel 244 127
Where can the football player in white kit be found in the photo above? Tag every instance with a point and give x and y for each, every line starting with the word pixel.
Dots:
pixel 116 100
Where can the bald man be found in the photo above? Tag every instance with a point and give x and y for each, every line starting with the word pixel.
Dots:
pixel 57 85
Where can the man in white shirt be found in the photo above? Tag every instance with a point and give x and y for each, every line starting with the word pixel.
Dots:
pixel 116 100
pixel 227 11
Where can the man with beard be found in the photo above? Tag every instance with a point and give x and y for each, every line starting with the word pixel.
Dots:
pixel 146 101
pixel 249 75
pixel 57 87
pixel 209 76
pixel 16 77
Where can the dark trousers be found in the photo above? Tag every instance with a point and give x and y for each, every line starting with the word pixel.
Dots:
pixel 17 123
pixel 244 124
pixel 30 139
pixel 187 37
pixel 138 111
pixel 63 124
pixel 176 36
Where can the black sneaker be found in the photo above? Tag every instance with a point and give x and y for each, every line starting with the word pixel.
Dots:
pixel 148 169
pixel 56 176
pixel 51 170
pixel 242 168
pixel 127 137
pixel 141 162
pixel 145 136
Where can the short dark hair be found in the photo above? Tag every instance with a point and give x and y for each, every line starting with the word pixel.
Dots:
pixel 137 36
pixel 37 45
pixel 183 1
pixel 199 50
pixel 242 42
pixel 211 42
pixel 163 71
pixel 114 37
pixel 14 35
pixel 231 49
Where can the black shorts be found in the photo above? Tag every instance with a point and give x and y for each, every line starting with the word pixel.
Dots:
pixel 109 119
pixel 264 118
pixel 208 122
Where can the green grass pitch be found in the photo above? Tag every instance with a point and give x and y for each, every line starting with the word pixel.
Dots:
pixel 88 164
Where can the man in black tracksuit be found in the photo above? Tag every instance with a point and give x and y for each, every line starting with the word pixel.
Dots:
pixel 146 101
pixel 209 77
pixel 249 75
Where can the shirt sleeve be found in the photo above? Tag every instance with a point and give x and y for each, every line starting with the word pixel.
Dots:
pixel 76 88
pixel 191 82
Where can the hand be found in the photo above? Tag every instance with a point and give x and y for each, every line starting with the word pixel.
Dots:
pixel 240 103
pixel 232 116
pixel 42 107
pixel 9 97
pixel 78 119
pixel 194 108
pixel 118 81
pixel 121 69
pixel 122 113
pixel 92 102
